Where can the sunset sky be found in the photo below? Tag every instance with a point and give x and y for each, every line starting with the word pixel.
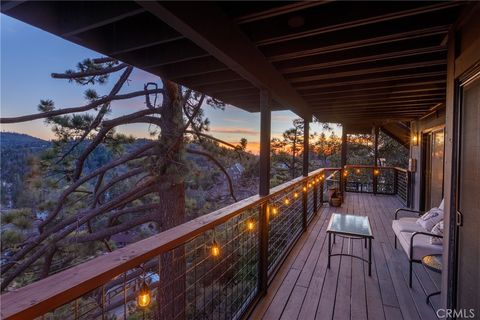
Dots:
pixel 30 55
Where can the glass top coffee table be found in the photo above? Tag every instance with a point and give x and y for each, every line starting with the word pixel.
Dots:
pixel 352 227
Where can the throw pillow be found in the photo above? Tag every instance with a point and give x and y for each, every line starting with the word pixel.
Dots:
pixel 430 219
pixel 442 205
pixel 437 229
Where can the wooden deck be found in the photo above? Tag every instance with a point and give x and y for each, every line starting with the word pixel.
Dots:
pixel 305 289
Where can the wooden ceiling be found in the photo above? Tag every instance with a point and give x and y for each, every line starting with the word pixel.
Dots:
pixel 347 62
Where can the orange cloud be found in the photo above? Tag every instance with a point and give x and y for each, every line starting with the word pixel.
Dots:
pixel 233 130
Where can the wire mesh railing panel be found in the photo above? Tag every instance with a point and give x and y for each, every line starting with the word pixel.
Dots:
pixel 386 181
pixel 311 199
pixel 285 223
pixel 212 267
pixel 402 185
pixel 359 180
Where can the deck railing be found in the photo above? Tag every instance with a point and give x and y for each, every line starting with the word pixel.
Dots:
pixel 216 266
pixel 377 180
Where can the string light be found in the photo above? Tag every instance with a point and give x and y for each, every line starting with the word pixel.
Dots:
pixel 274 210
pixel 286 201
pixel 250 225
pixel 295 195
pixel 304 189
pixel 345 173
pixel 357 171
pixel 215 248
pixel 376 172
pixel 144 295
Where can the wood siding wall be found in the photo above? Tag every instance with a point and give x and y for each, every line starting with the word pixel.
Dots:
pixel 435 120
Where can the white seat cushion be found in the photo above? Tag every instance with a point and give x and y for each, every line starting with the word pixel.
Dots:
pixel 406 224
pixel 422 246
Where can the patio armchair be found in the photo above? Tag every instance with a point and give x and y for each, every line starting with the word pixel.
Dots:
pixel 414 239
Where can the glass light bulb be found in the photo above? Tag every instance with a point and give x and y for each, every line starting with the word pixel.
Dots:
pixel 144 296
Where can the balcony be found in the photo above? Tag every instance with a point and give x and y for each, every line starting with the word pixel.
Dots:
pixel 382 67
pixel 262 257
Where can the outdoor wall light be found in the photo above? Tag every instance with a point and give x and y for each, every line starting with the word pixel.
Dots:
pixel 415 139
pixel 144 295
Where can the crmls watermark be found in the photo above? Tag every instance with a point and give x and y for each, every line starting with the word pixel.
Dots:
pixel 457 314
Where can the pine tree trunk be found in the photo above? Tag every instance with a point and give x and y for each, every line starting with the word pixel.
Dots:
pixel 171 296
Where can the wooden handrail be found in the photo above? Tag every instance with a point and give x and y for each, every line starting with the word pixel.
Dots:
pixel 47 294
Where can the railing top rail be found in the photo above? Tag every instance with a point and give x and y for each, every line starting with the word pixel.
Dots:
pixel 369 166
pixel 47 294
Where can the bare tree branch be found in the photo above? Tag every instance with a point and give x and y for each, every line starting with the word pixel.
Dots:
pixel 219 165
pixel 84 108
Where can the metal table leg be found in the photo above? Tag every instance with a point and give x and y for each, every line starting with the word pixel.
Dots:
pixel 370 256
pixel 329 248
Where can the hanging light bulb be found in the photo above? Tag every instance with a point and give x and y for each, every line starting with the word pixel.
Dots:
pixel 274 210
pixel 144 295
pixel 250 225
pixel 304 189
pixel 286 201
pixel 215 248
pixel 295 195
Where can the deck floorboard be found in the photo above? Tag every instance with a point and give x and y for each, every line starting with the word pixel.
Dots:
pixel 304 288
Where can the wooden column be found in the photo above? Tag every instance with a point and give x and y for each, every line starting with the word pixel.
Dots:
pixel 265 128
pixel 264 189
pixel 306 152
pixel 375 159
pixel 343 158
pixel 375 135
pixel 306 146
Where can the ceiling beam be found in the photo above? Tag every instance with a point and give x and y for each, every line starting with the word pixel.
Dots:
pixel 351 73
pixel 221 38
pixel 377 96
pixel 383 98
pixel 374 80
pixel 363 59
pixel 102 15
pixel 427 84
pixel 357 23
pixel 408 35
pixel 274 12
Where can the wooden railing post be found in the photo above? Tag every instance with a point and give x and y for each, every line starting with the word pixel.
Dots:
pixel 263 249
pixel 315 196
pixel 375 180
pixel 322 182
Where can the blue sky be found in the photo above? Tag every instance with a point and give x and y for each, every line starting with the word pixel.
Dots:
pixel 28 57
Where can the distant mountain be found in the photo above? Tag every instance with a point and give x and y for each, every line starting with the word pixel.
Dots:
pixel 20 140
